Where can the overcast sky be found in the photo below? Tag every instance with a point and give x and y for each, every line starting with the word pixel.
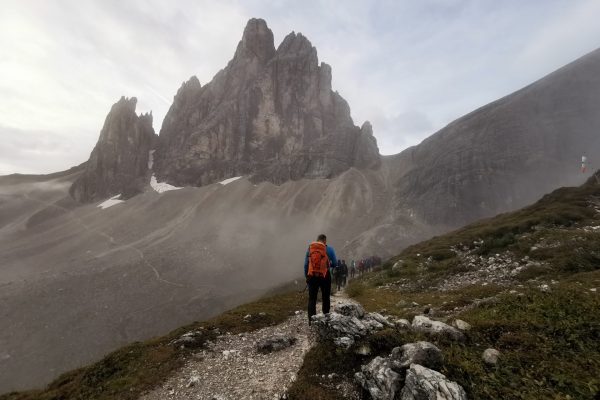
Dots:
pixel 410 67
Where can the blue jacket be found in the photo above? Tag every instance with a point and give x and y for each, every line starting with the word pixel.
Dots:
pixel 330 255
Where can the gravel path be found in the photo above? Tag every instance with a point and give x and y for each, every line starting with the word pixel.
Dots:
pixel 232 368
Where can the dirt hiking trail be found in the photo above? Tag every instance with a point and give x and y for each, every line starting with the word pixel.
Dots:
pixel 231 367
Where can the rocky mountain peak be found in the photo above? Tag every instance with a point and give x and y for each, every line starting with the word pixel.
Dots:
pixel 192 85
pixel 296 44
pixel 188 90
pixel 119 162
pixel 269 114
pixel 257 42
pixel 125 103
pixel 367 128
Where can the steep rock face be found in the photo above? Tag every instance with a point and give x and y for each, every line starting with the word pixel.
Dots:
pixel 507 153
pixel 270 113
pixel 119 161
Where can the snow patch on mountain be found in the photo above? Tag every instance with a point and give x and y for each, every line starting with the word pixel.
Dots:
pixel 161 187
pixel 228 181
pixel 111 202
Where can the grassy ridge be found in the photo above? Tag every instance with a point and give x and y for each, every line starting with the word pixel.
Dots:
pixel 549 341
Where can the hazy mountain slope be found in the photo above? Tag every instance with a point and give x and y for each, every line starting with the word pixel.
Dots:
pixel 540 313
pixel 507 153
pixel 81 281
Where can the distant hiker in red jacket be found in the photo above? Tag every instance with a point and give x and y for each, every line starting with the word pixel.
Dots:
pixel 319 258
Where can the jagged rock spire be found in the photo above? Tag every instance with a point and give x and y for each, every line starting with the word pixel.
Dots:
pixel 257 41
pixel 118 163
pixel 270 114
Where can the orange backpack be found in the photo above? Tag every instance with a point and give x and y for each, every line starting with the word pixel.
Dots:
pixel 318 262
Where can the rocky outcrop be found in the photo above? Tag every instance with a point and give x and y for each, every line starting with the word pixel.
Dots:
pixel 379 379
pixel 408 374
pixel 119 162
pixel 422 353
pixel 271 114
pixel 426 384
pixel 354 324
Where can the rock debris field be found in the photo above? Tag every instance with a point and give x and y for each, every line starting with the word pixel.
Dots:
pixel 264 363
pixel 254 365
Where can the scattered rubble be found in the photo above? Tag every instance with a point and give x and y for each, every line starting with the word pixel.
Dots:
pixel 260 364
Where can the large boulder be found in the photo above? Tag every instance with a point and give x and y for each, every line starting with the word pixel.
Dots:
pixel 426 384
pixel 422 353
pixel 379 379
pixel 335 325
pixel 423 324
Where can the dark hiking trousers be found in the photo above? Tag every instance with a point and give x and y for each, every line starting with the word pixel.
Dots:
pixel 314 284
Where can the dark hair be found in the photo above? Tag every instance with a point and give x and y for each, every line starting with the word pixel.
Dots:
pixel 321 238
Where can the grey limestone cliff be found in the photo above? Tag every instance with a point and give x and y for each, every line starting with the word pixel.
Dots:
pixel 507 153
pixel 119 162
pixel 271 114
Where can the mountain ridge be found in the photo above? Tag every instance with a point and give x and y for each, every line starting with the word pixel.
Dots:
pixel 119 263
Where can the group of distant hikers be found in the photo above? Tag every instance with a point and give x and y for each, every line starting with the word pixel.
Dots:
pixel 321 266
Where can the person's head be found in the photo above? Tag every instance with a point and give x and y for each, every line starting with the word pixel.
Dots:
pixel 322 238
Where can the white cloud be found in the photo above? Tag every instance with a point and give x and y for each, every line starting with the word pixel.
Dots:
pixel 576 32
pixel 409 67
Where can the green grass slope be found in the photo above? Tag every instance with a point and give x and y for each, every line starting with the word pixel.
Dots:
pixel 529 284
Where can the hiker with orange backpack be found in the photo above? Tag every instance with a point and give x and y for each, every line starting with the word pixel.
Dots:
pixel 319 258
